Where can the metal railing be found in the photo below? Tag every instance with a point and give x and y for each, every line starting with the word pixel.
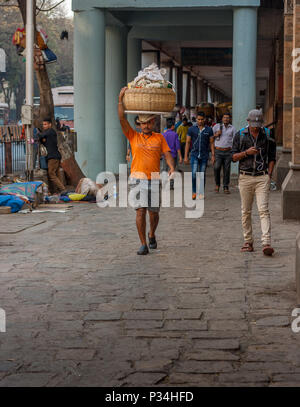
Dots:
pixel 12 150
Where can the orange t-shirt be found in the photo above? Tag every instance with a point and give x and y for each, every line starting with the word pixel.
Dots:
pixel 146 152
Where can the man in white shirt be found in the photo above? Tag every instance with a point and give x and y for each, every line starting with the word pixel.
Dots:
pixel 223 137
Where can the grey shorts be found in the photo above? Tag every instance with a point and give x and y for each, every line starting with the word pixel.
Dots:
pixel 145 194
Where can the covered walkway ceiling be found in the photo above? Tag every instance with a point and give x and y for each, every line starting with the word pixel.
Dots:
pixel 214 25
pixel 170 26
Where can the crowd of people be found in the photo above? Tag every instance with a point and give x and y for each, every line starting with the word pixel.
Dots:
pixel 196 142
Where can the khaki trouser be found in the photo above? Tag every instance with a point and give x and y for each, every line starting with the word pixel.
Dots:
pixel 260 187
pixel 53 167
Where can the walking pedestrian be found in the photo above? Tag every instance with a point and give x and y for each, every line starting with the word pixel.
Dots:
pixel 146 148
pixel 256 152
pixel 171 138
pixel 223 137
pixel 182 131
pixel 49 139
pixel 201 137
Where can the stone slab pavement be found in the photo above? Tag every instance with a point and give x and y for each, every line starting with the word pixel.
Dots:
pixel 82 309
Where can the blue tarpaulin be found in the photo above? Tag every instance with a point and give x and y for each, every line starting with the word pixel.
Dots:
pixel 14 202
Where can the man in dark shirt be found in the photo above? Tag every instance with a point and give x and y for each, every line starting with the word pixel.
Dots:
pixel 49 139
pixel 256 153
pixel 201 137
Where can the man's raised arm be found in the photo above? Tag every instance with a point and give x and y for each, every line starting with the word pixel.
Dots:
pixel 123 121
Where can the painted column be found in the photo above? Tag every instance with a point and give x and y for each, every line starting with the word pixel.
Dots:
pixel 291 184
pixel 298 268
pixel 116 58
pixel 188 91
pixel 244 64
pixel 89 83
pixel 134 57
pixel 199 91
pixel 282 167
pixel 134 64
pixel 205 92
pixel 179 86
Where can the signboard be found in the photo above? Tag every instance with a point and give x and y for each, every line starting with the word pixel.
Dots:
pixel 2 60
pixel 206 56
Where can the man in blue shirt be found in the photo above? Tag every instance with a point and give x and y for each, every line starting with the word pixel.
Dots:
pixel 202 140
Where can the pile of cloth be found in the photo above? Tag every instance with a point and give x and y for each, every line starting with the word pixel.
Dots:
pixel 151 77
pixel 20 194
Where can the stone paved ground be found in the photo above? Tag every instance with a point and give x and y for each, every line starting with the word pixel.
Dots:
pixel 84 310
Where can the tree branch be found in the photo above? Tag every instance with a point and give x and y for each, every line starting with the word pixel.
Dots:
pixel 51 8
pixel 9 5
pixel 42 5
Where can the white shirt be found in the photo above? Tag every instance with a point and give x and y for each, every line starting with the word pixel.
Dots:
pixel 226 138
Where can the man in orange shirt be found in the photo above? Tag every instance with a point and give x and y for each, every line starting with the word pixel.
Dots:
pixel 146 150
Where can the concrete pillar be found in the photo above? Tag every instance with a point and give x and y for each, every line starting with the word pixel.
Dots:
pixel 298 268
pixel 116 78
pixel 188 91
pixel 199 91
pixel 89 83
pixel 244 63
pixel 209 100
pixel 134 57
pixel 134 64
pixel 282 166
pixel 205 92
pixel 291 184
pixel 180 86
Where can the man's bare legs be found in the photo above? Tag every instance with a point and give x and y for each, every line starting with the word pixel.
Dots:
pixel 141 224
pixel 141 228
pixel 154 219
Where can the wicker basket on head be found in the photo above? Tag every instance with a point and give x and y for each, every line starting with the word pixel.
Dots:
pixel 223 108
pixel 207 108
pixel 149 99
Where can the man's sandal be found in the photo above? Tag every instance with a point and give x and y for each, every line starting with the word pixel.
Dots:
pixel 247 247
pixel 152 242
pixel 143 250
pixel 268 250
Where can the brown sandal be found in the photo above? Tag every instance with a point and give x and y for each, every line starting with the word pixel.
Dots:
pixel 247 247
pixel 268 250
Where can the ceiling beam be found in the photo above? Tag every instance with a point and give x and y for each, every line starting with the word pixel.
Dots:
pixel 175 18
